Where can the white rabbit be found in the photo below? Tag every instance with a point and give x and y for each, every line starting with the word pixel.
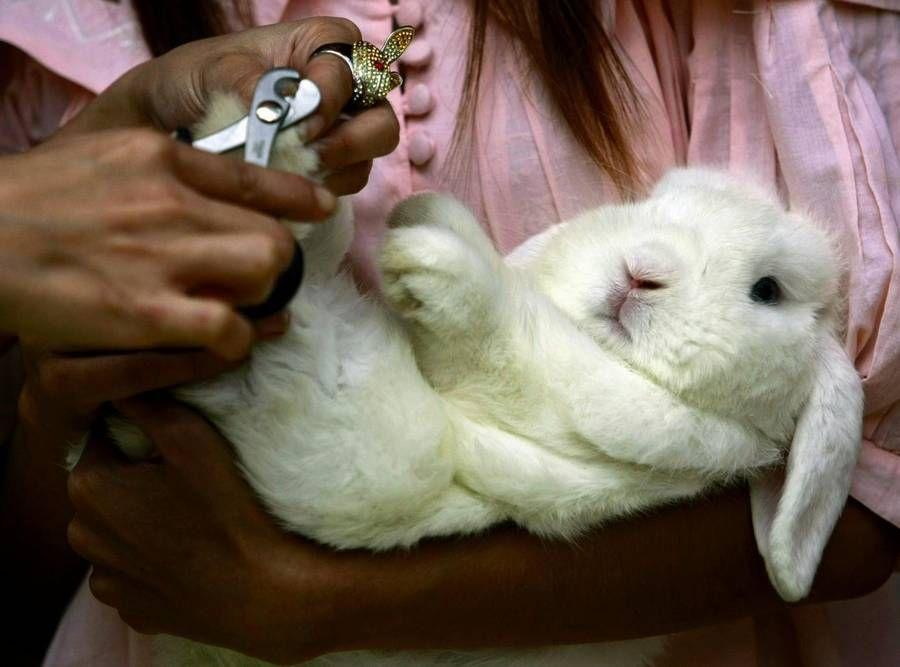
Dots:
pixel 635 355
pixel 707 322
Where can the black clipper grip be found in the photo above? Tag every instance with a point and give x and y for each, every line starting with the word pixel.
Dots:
pixel 285 289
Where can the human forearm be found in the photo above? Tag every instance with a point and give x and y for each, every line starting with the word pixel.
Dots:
pixel 42 571
pixel 678 568
pixel 249 586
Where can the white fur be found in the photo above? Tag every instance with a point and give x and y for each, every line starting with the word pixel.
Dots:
pixel 491 390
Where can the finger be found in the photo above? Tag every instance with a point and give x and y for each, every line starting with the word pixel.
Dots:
pixel 97 546
pixel 239 268
pixel 335 81
pixel 104 582
pixel 99 459
pixel 143 611
pixel 138 604
pixel 183 437
pixel 115 501
pixel 90 381
pixel 211 216
pixel 179 321
pixel 330 73
pixel 349 180
pixel 97 472
pixel 370 134
pixel 268 190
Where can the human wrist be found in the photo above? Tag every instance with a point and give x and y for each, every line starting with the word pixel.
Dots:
pixel 300 596
pixel 341 601
pixel 383 601
pixel 355 612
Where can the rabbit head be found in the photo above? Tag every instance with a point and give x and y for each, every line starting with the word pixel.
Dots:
pixel 714 291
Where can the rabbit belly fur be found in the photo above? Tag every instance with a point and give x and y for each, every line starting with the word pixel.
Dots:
pixel 475 396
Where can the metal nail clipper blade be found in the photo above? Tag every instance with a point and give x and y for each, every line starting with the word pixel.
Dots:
pixel 273 109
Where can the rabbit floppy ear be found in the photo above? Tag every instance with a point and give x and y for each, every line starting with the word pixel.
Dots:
pixel 793 518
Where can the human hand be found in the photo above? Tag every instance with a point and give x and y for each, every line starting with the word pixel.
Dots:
pixel 173 91
pixel 181 546
pixel 63 393
pixel 127 239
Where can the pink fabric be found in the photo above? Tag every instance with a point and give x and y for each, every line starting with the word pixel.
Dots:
pixel 804 94
pixel 34 102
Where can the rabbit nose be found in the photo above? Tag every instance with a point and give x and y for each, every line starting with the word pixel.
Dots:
pixel 643 283
pixel 638 283
pixel 651 266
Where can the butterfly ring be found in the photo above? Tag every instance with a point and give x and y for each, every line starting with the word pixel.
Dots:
pixel 369 65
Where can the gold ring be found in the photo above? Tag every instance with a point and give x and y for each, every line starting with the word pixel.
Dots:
pixel 369 66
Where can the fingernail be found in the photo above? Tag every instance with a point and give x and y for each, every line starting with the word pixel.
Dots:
pixel 313 127
pixel 274 326
pixel 325 199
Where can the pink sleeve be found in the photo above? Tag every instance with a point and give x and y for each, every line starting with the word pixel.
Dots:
pixel 64 53
pixel 89 42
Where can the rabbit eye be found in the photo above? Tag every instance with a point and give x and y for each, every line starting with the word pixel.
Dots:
pixel 766 290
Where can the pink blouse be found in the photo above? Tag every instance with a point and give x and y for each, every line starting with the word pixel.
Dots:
pixel 805 94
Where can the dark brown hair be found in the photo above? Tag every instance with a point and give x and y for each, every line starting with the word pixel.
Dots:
pixel 565 42
pixel 167 24
pixel 562 40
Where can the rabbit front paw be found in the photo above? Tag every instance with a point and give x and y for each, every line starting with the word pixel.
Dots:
pixel 435 278
pixel 428 209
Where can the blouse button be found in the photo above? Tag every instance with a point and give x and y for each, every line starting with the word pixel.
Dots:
pixel 418 54
pixel 419 101
pixel 409 12
pixel 421 148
